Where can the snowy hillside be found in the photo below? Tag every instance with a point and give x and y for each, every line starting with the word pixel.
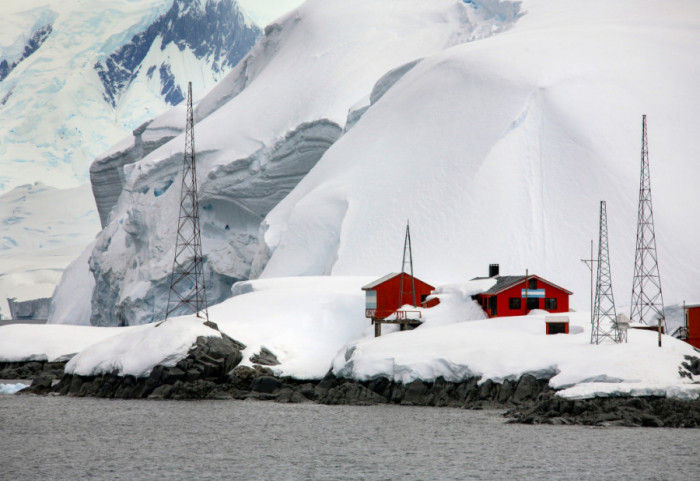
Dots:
pixel 496 127
pixel 258 132
pixel 74 79
pixel 500 151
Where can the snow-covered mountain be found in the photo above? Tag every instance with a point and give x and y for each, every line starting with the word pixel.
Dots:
pixel 496 127
pixel 75 78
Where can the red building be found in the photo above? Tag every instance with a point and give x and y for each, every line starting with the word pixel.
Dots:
pixel 385 296
pixel 692 325
pixel 518 295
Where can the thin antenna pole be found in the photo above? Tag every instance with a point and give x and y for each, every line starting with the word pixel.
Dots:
pixel 589 263
pixel 407 250
pixel 187 292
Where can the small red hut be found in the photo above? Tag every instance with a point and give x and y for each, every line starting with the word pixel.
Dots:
pixel 692 325
pixel 518 295
pixel 385 296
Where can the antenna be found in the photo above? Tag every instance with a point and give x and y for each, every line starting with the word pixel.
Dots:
pixel 187 290
pixel 647 305
pixel 589 263
pixel 604 318
pixel 407 259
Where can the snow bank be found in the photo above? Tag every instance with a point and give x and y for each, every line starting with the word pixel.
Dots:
pixel 136 351
pixel 304 321
pixel 507 348
pixel 43 342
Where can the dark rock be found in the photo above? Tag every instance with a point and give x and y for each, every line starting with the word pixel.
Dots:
pixel 218 392
pixel 351 393
pixel 75 384
pixel 307 390
pixel 265 384
pixel 265 358
pixel 506 392
pixel 288 395
pixel 414 394
pixel 40 385
pixel 486 390
pixel 527 389
pixel 326 384
pixel 691 365
pixel 381 386
pixel 162 392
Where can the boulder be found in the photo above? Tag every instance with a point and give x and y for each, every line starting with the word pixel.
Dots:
pixel 265 358
pixel 265 384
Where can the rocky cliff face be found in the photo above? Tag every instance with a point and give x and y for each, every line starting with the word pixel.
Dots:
pixel 216 31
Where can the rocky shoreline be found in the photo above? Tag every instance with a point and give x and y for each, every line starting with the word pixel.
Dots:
pixel 212 371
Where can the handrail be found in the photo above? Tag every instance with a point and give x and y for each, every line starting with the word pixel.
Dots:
pixel 385 313
pixel 681 333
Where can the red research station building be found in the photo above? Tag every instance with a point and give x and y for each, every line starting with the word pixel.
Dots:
pixel 386 295
pixel 518 295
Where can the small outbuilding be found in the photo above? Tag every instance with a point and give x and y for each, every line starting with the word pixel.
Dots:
pixel 518 295
pixel 692 324
pixel 385 296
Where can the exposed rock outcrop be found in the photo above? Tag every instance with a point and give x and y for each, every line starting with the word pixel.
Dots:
pixel 611 411
pixel 32 369
pixel 202 374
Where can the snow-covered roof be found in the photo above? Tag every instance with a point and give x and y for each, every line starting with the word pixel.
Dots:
pixel 381 280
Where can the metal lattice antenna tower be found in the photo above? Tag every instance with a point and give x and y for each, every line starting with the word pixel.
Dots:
pixel 409 260
pixel 187 289
pixel 604 319
pixel 647 297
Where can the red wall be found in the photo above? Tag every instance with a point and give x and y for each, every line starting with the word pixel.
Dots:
pixel 693 320
pixel 502 303
pixel 388 294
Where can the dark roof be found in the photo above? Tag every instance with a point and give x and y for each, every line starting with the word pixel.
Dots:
pixel 504 282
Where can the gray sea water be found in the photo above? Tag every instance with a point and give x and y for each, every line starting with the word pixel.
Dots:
pixel 71 438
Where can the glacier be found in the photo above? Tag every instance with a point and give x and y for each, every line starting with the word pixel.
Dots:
pixel 73 81
pixel 495 127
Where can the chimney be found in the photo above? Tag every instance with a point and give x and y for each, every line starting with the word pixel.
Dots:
pixel 493 270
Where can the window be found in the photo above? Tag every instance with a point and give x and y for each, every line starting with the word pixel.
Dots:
pixel 550 304
pixel 533 303
pixel 370 299
pixel 514 303
pixel 532 284
pixel 492 305
pixel 556 328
